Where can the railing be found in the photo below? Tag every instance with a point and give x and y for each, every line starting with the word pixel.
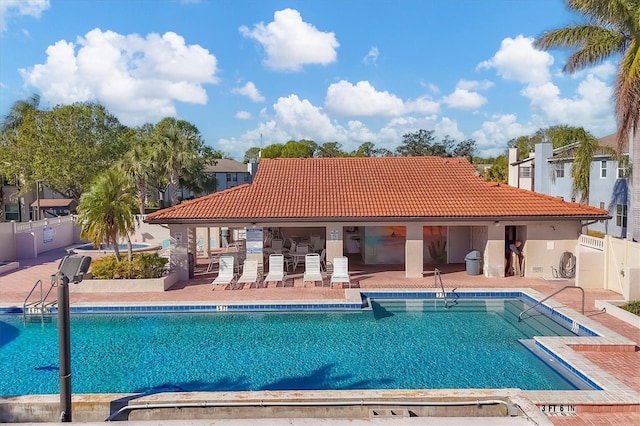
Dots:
pixel 20 227
pixel 550 296
pixel 37 306
pixel 591 242
pixel 438 276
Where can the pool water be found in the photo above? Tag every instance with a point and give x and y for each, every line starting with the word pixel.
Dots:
pixel 389 347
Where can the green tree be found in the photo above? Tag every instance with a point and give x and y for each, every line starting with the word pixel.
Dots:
pixel 366 149
pixel 252 155
pixel 137 162
pixel 177 148
pixel 416 144
pixel 330 149
pixel 20 112
pixel 63 148
pixel 272 151
pixel 581 168
pixel 299 149
pixel 105 212
pixel 611 30
pixel 467 148
pixel 499 170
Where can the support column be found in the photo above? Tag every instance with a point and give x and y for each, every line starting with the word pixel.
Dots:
pixel 413 253
pixel 179 235
pixel 494 260
pixel 335 244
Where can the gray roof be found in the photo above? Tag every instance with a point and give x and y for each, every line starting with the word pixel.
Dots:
pixel 226 165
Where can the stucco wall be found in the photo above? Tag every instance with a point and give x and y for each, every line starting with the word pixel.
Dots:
pixel 545 244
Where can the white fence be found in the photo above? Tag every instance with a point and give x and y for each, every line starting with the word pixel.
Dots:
pixel 609 263
pixel 26 240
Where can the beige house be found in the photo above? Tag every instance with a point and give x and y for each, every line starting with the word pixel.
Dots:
pixel 415 211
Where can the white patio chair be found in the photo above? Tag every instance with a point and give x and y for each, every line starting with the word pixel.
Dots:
pixel 340 273
pixel 214 259
pixel 249 274
pixel 312 272
pixel 225 272
pixel 276 270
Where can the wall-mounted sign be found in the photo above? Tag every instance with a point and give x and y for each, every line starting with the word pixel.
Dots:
pixel 47 234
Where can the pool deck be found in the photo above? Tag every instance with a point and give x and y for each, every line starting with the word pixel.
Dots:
pixel 620 362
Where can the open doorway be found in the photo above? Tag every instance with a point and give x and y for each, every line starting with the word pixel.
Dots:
pixel 514 243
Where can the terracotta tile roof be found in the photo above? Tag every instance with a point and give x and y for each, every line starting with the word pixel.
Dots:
pixel 389 187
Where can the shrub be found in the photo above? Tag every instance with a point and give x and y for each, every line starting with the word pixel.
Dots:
pixel 633 307
pixel 143 265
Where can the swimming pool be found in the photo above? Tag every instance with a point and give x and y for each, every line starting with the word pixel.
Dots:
pixel 392 346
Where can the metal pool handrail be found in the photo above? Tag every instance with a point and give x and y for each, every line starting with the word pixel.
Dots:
pixel 437 275
pixel 550 296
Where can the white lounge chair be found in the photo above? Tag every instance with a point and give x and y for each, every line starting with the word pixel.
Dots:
pixel 276 270
pixel 340 273
pixel 249 274
pixel 312 271
pixel 225 272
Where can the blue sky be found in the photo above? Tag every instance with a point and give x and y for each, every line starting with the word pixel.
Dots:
pixel 251 72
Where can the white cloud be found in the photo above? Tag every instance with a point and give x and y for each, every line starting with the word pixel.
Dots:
pixel 363 100
pixel 243 115
pixel 474 84
pixel 604 71
pixel 464 99
pixel 492 137
pixel 590 108
pixel 137 79
pixel 518 60
pixel 11 8
pixel 250 91
pixel 290 43
pixel 372 56
pixel 300 118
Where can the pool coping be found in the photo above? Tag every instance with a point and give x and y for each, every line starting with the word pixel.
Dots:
pixel 613 392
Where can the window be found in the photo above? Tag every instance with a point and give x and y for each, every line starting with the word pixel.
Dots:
pixel 525 172
pixel 12 212
pixel 603 169
pixel 559 170
pixel 623 171
pixel 621 215
pixel 602 205
pixel 232 177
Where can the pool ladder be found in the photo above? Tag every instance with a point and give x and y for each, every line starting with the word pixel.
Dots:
pixel 32 309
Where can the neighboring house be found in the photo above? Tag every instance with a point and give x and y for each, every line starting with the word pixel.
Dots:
pixel 25 208
pixel 548 171
pixel 414 211
pixel 228 174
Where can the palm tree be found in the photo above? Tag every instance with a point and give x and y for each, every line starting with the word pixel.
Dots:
pixel 612 29
pixel 136 163
pixel 20 111
pixel 105 212
pixel 177 146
